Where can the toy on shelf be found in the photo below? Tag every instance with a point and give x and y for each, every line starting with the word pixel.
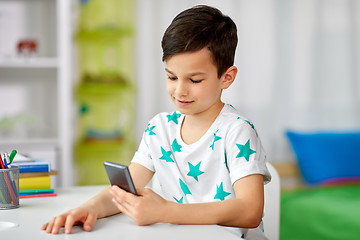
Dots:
pixel 27 47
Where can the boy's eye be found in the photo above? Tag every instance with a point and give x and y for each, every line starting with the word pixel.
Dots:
pixel 171 78
pixel 195 81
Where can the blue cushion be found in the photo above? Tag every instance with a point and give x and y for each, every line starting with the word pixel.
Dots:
pixel 326 156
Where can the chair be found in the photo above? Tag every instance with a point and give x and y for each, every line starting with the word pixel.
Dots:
pixel 271 217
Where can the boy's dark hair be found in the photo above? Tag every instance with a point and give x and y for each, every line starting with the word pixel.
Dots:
pixel 199 27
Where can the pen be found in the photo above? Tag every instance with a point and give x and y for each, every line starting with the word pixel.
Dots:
pixel 2 166
pixel 4 157
pixel 1 194
pixel 12 155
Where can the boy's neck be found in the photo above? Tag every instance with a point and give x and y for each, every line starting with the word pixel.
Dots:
pixel 195 126
pixel 206 117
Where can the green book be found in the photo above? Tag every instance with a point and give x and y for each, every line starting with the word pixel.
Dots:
pixel 36 191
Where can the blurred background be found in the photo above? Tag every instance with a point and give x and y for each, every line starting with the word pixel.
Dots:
pixel 80 79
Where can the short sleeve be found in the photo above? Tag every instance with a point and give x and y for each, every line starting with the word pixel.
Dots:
pixel 142 156
pixel 244 153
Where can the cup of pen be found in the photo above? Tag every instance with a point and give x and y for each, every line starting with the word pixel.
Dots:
pixel 9 187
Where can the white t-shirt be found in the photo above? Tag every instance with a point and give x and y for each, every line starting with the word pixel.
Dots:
pixel 206 170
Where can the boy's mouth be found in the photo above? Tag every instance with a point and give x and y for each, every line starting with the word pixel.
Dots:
pixel 183 102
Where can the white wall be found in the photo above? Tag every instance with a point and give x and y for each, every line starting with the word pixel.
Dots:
pixel 297 62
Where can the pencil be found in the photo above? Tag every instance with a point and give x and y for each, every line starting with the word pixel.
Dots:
pixel 2 197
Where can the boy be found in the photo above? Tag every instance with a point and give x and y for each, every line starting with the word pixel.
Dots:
pixel 208 159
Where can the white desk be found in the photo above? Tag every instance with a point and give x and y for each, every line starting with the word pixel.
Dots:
pixel 33 213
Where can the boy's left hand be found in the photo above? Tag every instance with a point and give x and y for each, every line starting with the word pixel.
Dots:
pixel 145 209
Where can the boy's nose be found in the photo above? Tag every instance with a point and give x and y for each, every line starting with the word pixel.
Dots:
pixel 181 89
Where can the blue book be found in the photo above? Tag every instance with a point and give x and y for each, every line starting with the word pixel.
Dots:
pixel 35 165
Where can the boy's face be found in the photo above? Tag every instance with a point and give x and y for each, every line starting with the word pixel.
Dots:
pixel 192 82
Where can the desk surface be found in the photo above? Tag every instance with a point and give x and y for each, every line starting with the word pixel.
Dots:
pixel 33 213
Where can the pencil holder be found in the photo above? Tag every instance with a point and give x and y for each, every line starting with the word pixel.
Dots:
pixel 9 187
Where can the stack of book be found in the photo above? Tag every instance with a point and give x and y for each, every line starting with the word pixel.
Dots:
pixel 34 180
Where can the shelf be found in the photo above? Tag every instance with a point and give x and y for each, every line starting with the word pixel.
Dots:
pixel 29 63
pixel 104 88
pixel 27 141
pixel 38 80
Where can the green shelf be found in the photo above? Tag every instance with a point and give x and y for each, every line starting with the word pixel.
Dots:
pixel 103 88
pixel 104 33
pixel 106 88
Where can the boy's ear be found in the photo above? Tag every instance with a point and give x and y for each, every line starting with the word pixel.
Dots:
pixel 228 77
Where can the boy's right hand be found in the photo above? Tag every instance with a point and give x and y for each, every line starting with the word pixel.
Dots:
pixel 76 216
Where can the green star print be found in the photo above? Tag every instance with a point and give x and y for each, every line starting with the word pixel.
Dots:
pixel 195 171
pixel 175 146
pixel 184 187
pixel 220 193
pixel 252 126
pixel 150 129
pixel 226 163
pixel 245 150
pixel 166 155
pixel 216 138
pixel 181 200
pixel 173 117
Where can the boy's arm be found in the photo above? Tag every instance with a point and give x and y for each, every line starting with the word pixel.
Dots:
pixel 99 206
pixel 103 201
pixel 140 175
pixel 243 211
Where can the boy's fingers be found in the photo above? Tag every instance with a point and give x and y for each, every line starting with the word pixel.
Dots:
pixel 125 202
pixel 89 223
pixel 69 223
pixel 122 208
pixel 43 227
pixel 49 226
pixel 119 194
pixel 68 220
pixel 123 196
pixel 119 205
pixel 59 222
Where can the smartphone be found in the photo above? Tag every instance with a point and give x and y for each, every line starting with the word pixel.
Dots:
pixel 119 175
